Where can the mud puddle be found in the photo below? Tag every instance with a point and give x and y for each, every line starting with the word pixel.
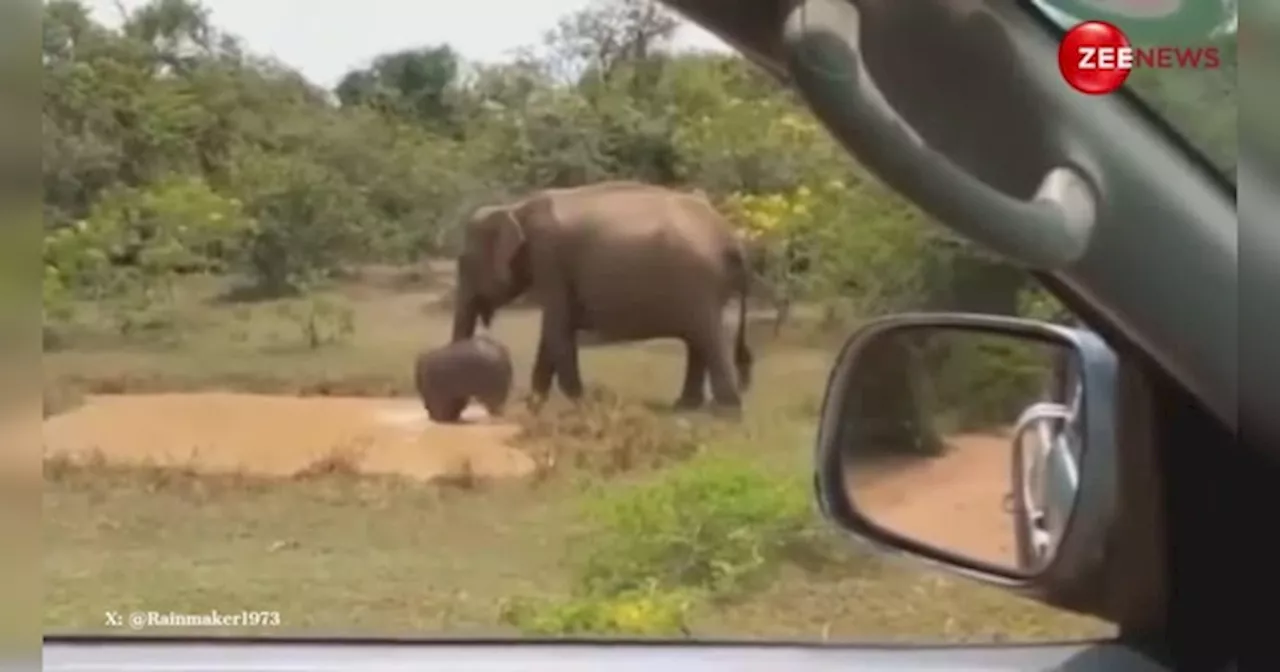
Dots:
pixel 281 436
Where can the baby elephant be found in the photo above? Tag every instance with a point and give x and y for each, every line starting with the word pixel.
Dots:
pixel 448 377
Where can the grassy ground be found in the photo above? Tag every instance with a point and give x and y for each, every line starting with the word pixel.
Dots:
pixel 344 553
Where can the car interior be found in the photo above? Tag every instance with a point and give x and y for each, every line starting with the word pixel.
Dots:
pixel 959 106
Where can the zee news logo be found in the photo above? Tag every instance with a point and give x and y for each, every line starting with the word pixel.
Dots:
pixel 1096 57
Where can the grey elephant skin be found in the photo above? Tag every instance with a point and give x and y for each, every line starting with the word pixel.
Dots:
pixel 625 260
pixel 449 377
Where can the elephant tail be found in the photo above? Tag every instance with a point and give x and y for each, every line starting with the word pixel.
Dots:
pixel 742 357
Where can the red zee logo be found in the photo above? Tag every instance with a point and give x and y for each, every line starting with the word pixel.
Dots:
pixel 1095 57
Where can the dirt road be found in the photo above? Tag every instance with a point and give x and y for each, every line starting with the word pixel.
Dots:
pixel 955 501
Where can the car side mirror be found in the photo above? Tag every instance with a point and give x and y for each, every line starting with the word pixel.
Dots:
pixel 982 443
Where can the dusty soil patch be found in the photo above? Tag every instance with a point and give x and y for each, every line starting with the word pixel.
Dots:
pixel 955 501
pixel 282 436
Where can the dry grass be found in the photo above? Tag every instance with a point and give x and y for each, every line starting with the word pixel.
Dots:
pixel 350 555
pixel 606 435
pixel 337 551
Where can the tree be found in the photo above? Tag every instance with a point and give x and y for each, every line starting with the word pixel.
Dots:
pixel 594 43
pixel 152 129
pixel 414 84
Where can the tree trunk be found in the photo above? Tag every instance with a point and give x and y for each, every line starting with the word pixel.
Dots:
pixel 891 401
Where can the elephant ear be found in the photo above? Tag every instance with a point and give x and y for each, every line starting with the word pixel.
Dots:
pixel 506 241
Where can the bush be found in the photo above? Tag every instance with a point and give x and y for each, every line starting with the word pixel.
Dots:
pixel 714 525
pixel 985 382
pixel 310 221
pixel 321 321
pixel 850 245
pixel 650 553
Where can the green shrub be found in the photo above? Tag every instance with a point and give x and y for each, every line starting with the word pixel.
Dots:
pixel 982 382
pixel 320 320
pixel 651 553
pixel 713 524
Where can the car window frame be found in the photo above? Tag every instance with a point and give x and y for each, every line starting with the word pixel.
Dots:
pixel 1147 111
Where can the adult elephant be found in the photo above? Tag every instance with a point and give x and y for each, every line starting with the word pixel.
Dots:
pixel 625 260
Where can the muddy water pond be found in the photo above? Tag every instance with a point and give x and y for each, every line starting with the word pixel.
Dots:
pixel 281 436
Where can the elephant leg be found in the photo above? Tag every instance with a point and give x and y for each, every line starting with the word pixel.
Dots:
pixel 559 347
pixel 692 394
pixel 543 371
pixel 568 376
pixel 724 379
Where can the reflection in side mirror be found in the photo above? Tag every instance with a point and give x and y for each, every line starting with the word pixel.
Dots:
pixel 1045 480
pixel 962 439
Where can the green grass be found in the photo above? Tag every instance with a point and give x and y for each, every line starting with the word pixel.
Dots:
pixel 341 553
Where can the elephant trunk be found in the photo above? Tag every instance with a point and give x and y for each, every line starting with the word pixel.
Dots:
pixel 466 313
pixel 469 305
pixel 464 320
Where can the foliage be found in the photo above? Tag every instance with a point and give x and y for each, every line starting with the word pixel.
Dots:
pixel 321 321
pixel 311 219
pixel 652 613
pixel 713 524
pixel 167 134
pixel 650 553
pixel 169 102
pixel 135 241
pixel 1037 304
pixel 169 149
pixel 981 382
pixel 856 242
pixel 416 84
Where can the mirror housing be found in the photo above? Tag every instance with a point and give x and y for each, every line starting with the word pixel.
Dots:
pixel 1080 552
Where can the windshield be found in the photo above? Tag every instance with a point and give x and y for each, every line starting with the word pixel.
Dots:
pixel 1199 103
pixel 256 423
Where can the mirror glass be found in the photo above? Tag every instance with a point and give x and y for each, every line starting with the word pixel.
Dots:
pixel 965 440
